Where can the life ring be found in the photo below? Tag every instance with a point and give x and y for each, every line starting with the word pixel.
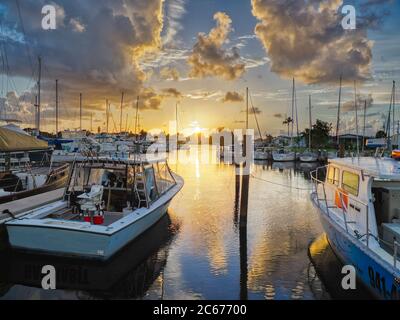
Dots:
pixel 341 201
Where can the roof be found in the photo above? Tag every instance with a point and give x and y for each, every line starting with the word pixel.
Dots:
pixel 12 141
pixel 383 168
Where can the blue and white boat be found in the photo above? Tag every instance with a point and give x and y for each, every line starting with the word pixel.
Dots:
pixel 359 204
pixel 106 205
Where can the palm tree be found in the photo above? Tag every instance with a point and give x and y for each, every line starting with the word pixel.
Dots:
pixel 287 122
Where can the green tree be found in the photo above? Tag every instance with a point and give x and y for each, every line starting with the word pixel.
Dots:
pixel 287 122
pixel 319 134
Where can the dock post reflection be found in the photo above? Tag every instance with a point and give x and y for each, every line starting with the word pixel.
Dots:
pixel 244 199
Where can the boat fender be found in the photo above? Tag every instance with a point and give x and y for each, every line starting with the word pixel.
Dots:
pixel 338 199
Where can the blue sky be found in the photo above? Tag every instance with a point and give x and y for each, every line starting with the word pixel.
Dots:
pixel 167 41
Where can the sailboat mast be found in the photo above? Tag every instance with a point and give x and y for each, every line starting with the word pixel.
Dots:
pixel 365 115
pixel 136 116
pixel 338 114
pixel 56 107
pixel 309 113
pixel 38 96
pixel 80 112
pixel 247 108
pixel 120 116
pixel 291 138
pixel 356 107
pixel 107 115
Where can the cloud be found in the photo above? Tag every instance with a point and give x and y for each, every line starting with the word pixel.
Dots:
pixel 210 58
pixel 172 92
pixel 168 73
pixel 278 115
pixel 95 49
pixel 232 96
pixel 348 106
pixel 305 40
pixel 254 110
pixel 175 9
pixel 150 100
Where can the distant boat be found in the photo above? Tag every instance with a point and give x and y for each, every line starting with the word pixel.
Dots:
pixel 262 153
pixel 107 204
pixel 20 175
pixel 283 155
pixel 308 157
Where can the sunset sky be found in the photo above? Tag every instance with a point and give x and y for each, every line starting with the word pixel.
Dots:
pixel 202 54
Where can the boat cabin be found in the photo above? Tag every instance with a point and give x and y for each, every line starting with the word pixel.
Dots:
pixel 365 192
pixel 111 189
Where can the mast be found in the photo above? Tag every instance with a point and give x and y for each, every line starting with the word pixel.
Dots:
pixel 176 121
pixel 107 115
pixel 38 96
pixel 291 138
pixel 136 117
pixel 80 111
pixel 365 115
pixel 297 117
pixel 394 122
pixel 56 107
pixel 120 117
pixel 91 122
pixel 338 112
pixel 309 133
pixel 356 107
pixel 247 108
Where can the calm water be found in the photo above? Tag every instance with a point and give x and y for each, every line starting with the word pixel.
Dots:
pixel 198 251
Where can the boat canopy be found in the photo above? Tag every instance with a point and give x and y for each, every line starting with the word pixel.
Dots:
pixel 12 141
pixel 381 168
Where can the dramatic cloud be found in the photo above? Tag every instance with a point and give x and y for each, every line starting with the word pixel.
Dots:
pixel 168 73
pixel 172 92
pixel 361 100
pixel 305 40
pixel 232 96
pixel 210 58
pixel 95 49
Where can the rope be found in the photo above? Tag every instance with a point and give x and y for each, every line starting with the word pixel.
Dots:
pixel 281 185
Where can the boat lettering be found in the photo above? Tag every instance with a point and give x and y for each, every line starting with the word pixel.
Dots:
pixel 378 282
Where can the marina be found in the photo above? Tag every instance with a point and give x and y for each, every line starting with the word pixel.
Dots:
pixel 177 150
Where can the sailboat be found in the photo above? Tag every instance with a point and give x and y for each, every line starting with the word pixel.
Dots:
pixel 285 154
pixel 309 156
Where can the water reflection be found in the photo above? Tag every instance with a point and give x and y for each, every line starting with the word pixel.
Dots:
pixel 127 276
pixel 326 266
pixel 203 250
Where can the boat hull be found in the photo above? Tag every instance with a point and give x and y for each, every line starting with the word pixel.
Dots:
pixel 284 157
pixel 261 155
pixel 308 158
pixel 68 242
pixel 381 279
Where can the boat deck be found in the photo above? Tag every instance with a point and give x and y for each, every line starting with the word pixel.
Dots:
pixel 66 214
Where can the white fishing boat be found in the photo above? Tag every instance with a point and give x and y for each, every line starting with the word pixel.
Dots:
pixel 359 206
pixel 262 153
pixel 284 155
pixel 309 157
pixel 107 204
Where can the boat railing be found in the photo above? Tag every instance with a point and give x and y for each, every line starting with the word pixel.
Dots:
pixel 320 194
